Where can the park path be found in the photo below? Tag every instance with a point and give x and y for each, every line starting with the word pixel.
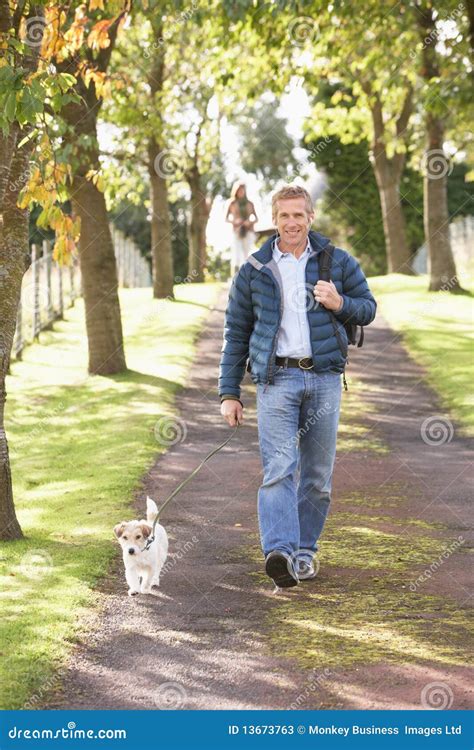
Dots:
pixel 201 643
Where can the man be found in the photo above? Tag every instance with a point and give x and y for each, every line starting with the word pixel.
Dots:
pixel 278 316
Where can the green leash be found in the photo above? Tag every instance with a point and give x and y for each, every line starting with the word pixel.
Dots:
pixel 185 481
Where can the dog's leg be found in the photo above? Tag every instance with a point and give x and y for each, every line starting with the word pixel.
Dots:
pixel 146 582
pixel 133 581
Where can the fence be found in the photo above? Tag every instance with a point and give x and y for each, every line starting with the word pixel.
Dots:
pixel 49 288
pixel 461 234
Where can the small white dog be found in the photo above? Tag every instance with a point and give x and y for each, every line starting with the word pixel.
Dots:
pixel 142 566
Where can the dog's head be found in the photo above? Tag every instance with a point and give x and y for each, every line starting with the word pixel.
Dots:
pixel 133 535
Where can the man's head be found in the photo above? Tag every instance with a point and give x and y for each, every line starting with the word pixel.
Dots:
pixel 292 213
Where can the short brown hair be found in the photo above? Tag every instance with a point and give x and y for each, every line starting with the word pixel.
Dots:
pixel 291 191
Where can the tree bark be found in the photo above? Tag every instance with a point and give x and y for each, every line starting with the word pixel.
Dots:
pixel 161 234
pixel 388 173
pixel 99 280
pixel 96 251
pixel 197 226
pixel 442 268
pixel 14 250
pixel 14 260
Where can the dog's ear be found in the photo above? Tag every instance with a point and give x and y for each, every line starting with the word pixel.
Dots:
pixel 146 529
pixel 118 530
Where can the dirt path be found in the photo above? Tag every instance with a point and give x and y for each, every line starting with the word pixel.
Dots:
pixel 203 642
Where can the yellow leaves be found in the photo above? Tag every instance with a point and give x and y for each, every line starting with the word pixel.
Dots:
pixel 67 232
pixel 99 35
pixel 53 42
pixel 101 82
pixel 94 176
pixel 94 4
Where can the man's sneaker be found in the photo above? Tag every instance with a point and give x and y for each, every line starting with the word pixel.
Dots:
pixel 306 571
pixel 279 566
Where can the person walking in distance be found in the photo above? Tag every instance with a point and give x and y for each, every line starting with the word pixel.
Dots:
pixel 242 215
pixel 287 325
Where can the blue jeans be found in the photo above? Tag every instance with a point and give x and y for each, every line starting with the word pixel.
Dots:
pixel 298 417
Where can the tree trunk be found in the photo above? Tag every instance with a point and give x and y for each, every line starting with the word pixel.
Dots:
pixel 161 234
pixel 197 227
pixel 161 245
pixel 442 267
pixel 14 260
pixel 14 249
pixel 435 212
pixel 99 280
pixel 96 250
pixel 388 173
pixel 398 250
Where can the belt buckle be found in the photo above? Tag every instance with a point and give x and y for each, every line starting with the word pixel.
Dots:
pixel 301 366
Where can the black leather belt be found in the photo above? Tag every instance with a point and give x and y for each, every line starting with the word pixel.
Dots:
pixel 304 363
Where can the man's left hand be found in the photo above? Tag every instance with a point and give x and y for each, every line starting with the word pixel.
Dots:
pixel 327 295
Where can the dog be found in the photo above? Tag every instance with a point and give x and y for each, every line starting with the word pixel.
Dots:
pixel 142 566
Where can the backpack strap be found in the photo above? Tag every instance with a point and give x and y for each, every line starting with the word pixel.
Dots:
pixel 325 264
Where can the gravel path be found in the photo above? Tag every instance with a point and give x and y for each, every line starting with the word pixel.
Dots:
pixel 201 642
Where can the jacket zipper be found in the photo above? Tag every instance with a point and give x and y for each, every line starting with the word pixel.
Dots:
pixel 275 339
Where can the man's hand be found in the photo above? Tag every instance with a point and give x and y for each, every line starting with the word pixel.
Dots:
pixel 232 411
pixel 327 295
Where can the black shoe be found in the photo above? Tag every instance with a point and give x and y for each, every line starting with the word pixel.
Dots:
pixel 279 567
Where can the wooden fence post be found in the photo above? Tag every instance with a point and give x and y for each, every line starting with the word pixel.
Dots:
pixel 36 296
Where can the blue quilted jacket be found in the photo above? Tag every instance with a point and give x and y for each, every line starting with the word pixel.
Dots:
pixel 254 310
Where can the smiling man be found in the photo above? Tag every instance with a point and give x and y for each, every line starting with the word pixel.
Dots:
pixel 289 325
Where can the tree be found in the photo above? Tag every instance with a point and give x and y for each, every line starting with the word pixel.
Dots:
pixel 267 149
pixel 88 63
pixel 436 165
pixel 19 56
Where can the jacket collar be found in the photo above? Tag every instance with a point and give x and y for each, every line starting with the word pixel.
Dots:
pixel 265 255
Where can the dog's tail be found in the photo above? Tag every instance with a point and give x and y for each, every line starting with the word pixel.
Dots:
pixel 151 510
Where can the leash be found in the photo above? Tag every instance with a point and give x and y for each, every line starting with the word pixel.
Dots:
pixel 151 539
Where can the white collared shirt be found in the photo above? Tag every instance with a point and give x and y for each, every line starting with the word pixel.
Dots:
pixel 294 335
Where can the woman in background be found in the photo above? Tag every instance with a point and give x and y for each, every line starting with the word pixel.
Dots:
pixel 241 213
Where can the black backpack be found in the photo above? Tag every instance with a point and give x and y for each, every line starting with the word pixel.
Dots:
pixel 325 263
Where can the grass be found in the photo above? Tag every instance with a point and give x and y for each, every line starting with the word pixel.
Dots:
pixel 362 608
pixel 79 446
pixel 437 330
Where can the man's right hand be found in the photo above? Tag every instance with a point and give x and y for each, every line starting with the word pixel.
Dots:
pixel 232 411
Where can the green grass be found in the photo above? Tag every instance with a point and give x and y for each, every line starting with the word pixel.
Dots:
pixel 437 330
pixel 79 446
pixel 361 609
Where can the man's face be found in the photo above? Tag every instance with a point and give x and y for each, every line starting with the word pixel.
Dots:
pixel 293 221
